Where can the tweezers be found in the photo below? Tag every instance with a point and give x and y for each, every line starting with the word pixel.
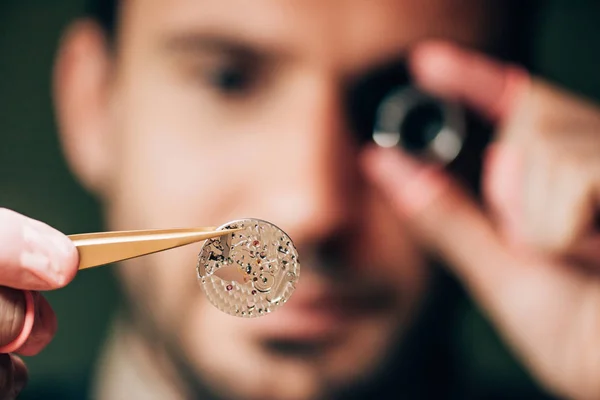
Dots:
pixel 96 249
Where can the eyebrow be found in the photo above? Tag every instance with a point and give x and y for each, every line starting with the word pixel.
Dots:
pixel 389 70
pixel 193 43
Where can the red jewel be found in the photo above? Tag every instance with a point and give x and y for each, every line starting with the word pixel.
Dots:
pixel 229 287
pixel 255 243
pixel 254 292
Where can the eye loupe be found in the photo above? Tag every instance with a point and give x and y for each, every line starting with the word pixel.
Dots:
pixel 422 125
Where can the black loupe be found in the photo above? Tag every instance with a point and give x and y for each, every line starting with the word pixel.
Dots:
pixel 424 126
pixel 385 107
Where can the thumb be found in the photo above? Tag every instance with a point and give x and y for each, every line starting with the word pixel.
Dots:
pixel 442 216
pixel 448 71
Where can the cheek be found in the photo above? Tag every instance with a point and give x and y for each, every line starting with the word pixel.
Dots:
pixel 177 167
pixel 172 163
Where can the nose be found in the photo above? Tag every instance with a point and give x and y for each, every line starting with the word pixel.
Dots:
pixel 312 190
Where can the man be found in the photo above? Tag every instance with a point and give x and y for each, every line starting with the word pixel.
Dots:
pixel 196 113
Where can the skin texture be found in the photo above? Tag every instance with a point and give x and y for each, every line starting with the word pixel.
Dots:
pixel 144 127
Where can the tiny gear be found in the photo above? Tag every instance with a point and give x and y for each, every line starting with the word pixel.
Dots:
pixel 250 272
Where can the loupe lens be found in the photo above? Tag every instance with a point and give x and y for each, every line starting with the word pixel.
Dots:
pixel 420 124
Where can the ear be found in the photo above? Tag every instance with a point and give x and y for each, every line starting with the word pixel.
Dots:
pixel 81 83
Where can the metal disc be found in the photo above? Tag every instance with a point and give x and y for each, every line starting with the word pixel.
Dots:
pixel 250 272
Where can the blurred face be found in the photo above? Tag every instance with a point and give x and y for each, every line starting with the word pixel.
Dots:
pixel 219 110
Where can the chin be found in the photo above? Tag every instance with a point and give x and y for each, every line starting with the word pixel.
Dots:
pixel 246 362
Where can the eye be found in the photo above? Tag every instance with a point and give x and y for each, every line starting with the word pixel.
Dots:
pixel 232 79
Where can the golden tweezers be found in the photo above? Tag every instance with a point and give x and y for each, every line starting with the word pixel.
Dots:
pixel 102 248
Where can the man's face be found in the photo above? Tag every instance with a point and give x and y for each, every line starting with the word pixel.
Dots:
pixel 220 110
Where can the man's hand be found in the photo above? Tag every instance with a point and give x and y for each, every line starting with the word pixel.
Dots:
pixel 527 255
pixel 34 257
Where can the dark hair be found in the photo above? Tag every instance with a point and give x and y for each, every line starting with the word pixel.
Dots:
pixel 516 33
pixel 105 13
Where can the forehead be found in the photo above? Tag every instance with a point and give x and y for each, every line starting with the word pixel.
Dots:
pixel 342 33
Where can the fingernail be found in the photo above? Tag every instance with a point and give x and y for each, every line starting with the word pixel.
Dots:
pixel 39 265
pixel 391 167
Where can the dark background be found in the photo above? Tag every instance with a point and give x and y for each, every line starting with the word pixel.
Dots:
pixel 34 179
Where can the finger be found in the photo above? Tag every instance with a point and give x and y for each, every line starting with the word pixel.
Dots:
pixel 559 205
pixel 447 71
pixel 33 255
pixel 12 314
pixel 6 376
pixel 445 219
pixel 13 376
pixel 531 208
pixel 20 374
pixel 503 188
pixel 442 216
pixel 510 286
pixel 12 321
pixel 44 329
